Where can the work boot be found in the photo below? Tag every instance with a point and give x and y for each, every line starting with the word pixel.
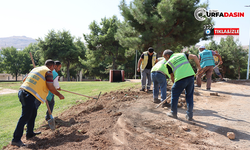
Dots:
pixel 29 136
pixel 197 86
pixel 142 90
pixel 157 101
pixel 208 89
pixel 172 115
pixel 166 105
pixel 189 118
pixel 19 143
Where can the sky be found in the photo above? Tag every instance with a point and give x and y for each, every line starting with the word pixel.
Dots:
pixel 34 18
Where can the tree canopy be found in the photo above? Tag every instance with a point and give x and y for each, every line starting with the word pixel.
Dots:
pixel 61 46
pixel 160 23
pixel 105 52
pixel 15 62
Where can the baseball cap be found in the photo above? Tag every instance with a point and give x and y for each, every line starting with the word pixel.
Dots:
pixel 202 46
pixel 150 49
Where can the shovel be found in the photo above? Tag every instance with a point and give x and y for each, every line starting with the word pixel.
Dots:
pixel 51 121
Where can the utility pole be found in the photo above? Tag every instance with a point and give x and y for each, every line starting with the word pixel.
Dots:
pixel 248 54
pixel 135 63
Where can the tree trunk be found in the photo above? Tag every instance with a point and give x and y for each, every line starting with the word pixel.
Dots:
pixel 80 76
pixel 114 63
pixel 68 75
pixel 16 76
pixel 239 73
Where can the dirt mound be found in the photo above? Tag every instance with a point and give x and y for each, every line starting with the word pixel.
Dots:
pixel 129 120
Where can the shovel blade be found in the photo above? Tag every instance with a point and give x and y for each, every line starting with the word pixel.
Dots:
pixel 52 124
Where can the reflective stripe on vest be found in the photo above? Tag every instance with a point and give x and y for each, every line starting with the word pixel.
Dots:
pixel 160 67
pixel 180 66
pixel 206 58
pixel 145 60
pixel 35 83
pixel 41 76
pixel 31 90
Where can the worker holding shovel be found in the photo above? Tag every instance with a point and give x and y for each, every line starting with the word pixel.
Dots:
pixel 36 86
pixel 182 75
pixel 50 97
pixel 207 63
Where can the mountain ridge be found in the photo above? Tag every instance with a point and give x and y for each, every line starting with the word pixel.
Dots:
pixel 19 42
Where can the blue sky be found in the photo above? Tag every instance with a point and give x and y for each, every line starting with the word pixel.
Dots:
pixel 34 18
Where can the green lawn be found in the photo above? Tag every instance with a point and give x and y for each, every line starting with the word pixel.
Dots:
pixel 10 107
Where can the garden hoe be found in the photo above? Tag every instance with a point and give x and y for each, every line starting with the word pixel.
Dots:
pixel 51 121
pixel 83 95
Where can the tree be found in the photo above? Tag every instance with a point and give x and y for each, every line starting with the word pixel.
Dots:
pixel 163 24
pixel 92 66
pixel 15 62
pixel 61 46
pixel 233 55
pixel 102 43
pixel 36 53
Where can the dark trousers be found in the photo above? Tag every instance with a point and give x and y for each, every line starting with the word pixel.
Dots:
pixel 28 115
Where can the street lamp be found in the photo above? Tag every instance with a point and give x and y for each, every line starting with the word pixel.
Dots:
pixel 248 54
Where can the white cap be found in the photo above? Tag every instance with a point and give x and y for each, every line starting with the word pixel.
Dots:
pixel 202 46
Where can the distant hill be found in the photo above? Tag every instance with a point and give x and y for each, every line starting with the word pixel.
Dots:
pixel 19 42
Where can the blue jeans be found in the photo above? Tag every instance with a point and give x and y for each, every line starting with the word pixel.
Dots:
pixel 177 88
pixel 159 79
pixel 51 106
pixel 28 115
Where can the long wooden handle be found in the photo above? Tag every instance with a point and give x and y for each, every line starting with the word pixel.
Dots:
pixel 32 60
pixel 78 94
pixel 49 111
pixel 163 101
pixel 200 72
pixel 213 69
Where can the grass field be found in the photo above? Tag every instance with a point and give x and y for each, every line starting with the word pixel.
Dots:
pixel 10 107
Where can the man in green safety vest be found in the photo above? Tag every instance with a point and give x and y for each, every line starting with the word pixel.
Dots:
pixel 158 75
pixel 145 64
pixel 182 75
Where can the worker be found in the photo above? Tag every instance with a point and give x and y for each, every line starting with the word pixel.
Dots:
pixel 36 86
pixel 50 97
pixel 158 75
pixel 145 64
pixel 182 75
pixel 216 69
pixel 207 64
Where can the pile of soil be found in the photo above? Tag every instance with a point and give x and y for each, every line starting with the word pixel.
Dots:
pixel 128 119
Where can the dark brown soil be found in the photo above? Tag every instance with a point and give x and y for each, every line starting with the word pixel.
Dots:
pixel 128 119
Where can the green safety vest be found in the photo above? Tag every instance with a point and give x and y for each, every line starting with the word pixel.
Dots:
pixel 160 67
pixel 145 60
pixel 180 66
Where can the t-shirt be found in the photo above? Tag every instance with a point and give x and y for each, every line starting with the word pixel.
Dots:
pixel 149 64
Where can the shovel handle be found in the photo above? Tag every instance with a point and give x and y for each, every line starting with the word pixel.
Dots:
pixel 49 111
pixel 163 101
